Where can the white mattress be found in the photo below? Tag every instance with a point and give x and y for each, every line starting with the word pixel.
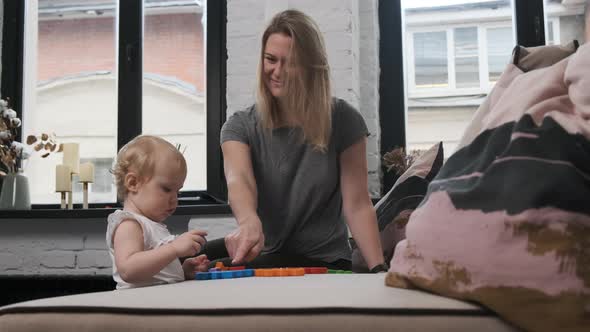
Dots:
pixel 312 302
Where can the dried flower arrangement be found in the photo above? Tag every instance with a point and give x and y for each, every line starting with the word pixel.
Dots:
pixel 399 161
pixel 12 152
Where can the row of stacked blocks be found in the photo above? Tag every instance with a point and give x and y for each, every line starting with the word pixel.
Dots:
pixel 222 272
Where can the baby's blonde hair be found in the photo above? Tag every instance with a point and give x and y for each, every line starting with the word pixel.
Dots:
pixel 139 156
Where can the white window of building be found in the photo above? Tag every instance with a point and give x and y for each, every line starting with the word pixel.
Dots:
pixel 431 59
pixel 564 21
pixel 466 57
pixel 454 53
pixel 499 45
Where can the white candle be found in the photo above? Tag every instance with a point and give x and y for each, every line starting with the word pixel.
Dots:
pixel 63 178
pixel 86 172
pixel 72 156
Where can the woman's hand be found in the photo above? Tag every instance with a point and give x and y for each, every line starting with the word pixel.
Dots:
pixel 245 243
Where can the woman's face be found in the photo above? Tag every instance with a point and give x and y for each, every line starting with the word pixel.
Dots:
pixel 276 59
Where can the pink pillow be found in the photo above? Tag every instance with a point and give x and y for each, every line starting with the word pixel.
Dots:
pixel 506 222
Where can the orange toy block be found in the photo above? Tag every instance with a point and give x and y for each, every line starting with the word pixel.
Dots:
pixel 280 272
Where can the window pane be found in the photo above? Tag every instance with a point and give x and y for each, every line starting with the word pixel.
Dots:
pixel 564 21
pixel 446 55
pixel 430 58
pixel 73 91
pixel 102 187
pixel 550 34
pixel 500 47
pixel 174 80
pixel 466 58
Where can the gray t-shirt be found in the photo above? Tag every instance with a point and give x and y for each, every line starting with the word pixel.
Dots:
pixel 299 196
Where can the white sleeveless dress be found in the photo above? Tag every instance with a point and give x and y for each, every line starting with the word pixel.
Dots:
pixel 154 235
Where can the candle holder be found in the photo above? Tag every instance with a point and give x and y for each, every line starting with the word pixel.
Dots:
pixel 63 184
pixel 71 198
pixel 63 199
pixel 85 191
pixel 86 177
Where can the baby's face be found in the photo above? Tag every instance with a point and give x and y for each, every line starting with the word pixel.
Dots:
pixel 158 197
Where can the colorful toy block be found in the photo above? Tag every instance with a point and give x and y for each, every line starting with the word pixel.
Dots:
pixel 224 274
pixel 339 272
pixel 316 270
pixel 221 271
pixel 280 272
pixel 235 268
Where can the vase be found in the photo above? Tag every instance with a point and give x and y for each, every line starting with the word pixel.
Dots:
pixel 15 192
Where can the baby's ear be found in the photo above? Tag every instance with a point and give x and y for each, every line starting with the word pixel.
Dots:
pixel 132 182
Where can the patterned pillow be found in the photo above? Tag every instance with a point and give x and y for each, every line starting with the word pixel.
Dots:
pixel 394 209
pixel 506 222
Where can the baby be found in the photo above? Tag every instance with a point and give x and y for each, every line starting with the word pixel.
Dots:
pixel 149 172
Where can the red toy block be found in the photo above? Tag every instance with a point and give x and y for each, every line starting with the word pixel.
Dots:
pixel 235 268
pixel 315 270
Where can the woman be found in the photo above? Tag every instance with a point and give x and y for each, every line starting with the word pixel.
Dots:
pixel 295 162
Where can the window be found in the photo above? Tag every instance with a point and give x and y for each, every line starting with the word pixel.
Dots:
pixel 455 53
pixel 174 81
pixel 85 61
pixel 430 54
pixel 550 33
pixel 466 57
pixel 71 85
pixel 103 188
pixel 564 21
pixel 499 44
pixel 449 61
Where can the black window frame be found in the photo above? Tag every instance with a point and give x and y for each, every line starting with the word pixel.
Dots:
pixel 528 22
pixel 530 31
pixel 129 108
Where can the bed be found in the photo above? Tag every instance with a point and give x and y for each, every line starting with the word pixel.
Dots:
pixel 343 302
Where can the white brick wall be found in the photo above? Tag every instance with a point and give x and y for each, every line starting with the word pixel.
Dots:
pixel 77 247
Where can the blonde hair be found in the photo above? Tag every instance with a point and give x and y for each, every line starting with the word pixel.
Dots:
pixel 139 156
pixel 308 94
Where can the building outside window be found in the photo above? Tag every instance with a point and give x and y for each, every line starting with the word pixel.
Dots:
pixel 455 51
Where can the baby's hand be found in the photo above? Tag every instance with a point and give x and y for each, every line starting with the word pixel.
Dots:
pixel 194 265
pixel 189 243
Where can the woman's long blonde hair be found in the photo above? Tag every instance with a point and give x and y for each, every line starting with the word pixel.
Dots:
pixel 308 94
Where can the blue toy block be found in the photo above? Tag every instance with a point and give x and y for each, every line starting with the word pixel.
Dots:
pixel 224 274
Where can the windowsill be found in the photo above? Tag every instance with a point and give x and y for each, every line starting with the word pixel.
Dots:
pixel 78 212
pixel 203 205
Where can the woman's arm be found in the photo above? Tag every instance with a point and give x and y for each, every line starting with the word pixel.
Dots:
pixel 357 207
pixel 246 242
pixel 135 264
